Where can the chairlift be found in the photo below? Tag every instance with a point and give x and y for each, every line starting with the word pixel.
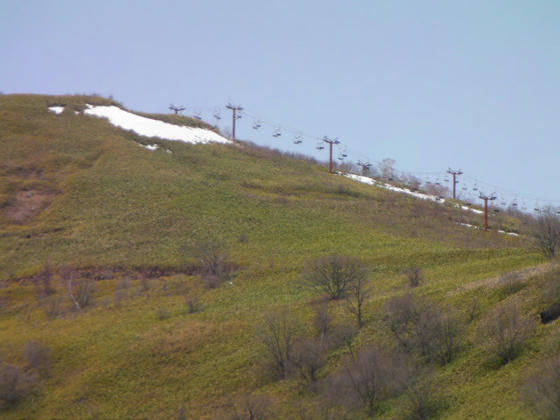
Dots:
pixel 276 133
pixel 197 115
pixel 217 116
pixel 256 125
pixel 298 140
pixel 319 146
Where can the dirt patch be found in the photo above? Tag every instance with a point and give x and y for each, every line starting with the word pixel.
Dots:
pixel 27 204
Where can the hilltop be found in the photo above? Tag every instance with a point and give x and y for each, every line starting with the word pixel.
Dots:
pixel 81 200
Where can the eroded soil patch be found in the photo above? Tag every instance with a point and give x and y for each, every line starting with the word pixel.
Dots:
pixel 28 203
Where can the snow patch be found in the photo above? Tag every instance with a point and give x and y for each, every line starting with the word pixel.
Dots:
pixel 371 181
pixel 469 209
pixel 149 146
pixel 154 128
pixel 56 109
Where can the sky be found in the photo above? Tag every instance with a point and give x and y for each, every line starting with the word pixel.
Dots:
pixel 431 84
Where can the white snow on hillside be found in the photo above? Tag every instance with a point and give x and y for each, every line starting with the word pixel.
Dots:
pixel 154 128
pixel 371 181
pixel 151 147
pixel 56 109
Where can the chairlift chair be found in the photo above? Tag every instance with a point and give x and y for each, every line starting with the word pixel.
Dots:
pixel 276 133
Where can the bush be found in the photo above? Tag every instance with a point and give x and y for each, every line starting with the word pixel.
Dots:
pixel 15 384
pixel 52 306
pixel 309 356
pixel 193 304
pixel 371 377
pixel 414 276
pixel 546 231
pixel 163 314
pixel 504 331
pixel 214 265
pixel 334 274
pixel 423 327
pixel 38 357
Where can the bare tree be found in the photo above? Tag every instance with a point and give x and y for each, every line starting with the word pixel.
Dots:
pixel 423 327
pixel 547 232
pixel 333 274
pixel 504 331
pixel 322 321
pixel 309 356
pixel 386 168
pixel 277 334
pixel 357 294
pixel 15 384
pixel 376 374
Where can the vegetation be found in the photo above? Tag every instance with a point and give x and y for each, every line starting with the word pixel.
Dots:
pixel 141 236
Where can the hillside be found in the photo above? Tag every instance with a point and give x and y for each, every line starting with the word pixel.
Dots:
pixel 78 195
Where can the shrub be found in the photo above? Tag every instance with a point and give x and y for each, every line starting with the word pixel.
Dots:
pixel 38 357
pixel 333 274
pixel 52 306
pixel 423 327
pixel 43 282
pixel 546 231
pixel 215 267
pixel 309 357
pixel 15 384
pixel 504 331
pixel 371 377
pixel 162 314
pixel 414 276
pixel 193 304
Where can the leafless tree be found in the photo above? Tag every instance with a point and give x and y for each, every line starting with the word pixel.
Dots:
pixel 356 296
pixel 376 374
pixel 309 356
pixel 387 168
pixel 505 330
pixel 15 384
pixel 322 321
pixel 278 334
pixel 423 327
pixel 333 274
pixel 547 232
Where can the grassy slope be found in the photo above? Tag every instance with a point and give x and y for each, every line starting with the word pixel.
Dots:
pixel 120 205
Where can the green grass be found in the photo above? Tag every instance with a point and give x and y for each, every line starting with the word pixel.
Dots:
pixel 119 205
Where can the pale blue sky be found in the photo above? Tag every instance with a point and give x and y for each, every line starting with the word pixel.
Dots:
pixel 467 84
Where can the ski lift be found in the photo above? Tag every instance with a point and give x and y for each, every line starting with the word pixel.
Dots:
pixel 298 140
pixel 256 125
pixel 238 116
pixel 276 133
pixel 464 188
pixel 320 146
pixel 198 115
